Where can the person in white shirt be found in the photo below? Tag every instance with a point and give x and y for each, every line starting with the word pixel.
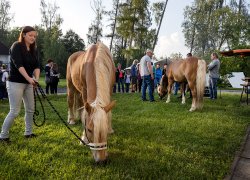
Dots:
pixel 146 71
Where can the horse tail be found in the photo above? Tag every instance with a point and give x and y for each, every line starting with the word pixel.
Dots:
pixel 73 96
pixel 200 82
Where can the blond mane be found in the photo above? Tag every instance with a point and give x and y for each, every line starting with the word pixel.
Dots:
pixel 103 63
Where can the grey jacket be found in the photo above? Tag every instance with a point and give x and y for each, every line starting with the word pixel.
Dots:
pixel 213 68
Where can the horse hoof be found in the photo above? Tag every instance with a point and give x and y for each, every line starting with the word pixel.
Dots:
pixel 192 109
pixel 111 131
pixel 183 102
pixel 167 101
pixel 72 122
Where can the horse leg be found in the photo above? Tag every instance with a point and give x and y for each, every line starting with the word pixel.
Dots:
pixel 192 87
pixel 170 85
pixel 84 137
pixel 71 103
pixel 110 129
pixel 183 99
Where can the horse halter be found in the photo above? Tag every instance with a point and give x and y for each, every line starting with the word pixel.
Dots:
pixel 97 146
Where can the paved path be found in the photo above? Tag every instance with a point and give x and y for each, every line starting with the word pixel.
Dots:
pixel 241 166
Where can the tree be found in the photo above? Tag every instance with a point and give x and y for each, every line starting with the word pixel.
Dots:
pixel 218 25
pixel 210 25
pixel 113 17
pixel 52 46
pixel 50 18
pixel 72 42
pixel 95 30
pixel 5 18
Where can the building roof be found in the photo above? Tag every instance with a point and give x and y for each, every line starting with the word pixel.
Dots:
pixel 3 49
pixel 236 52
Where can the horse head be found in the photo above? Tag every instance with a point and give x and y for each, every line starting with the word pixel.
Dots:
pixel 96 129
pixel 162 88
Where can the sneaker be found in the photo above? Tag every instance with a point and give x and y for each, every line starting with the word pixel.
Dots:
pixel 30 136
pixel 7 140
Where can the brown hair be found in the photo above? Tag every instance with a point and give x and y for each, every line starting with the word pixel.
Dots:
pixel 25 30
pixel 55 67
pixel 49 61
pixel 189 55
pixel 215 54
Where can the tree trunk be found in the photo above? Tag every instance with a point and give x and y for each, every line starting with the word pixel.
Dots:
pixel 113 32
pixel 158 30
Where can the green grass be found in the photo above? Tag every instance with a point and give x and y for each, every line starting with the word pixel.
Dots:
pixel 151 141
pixel 61 84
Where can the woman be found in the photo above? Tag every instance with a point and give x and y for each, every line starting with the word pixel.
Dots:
pixel 54 78
pixel 24 74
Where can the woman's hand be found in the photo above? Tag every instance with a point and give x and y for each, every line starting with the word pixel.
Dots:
pixel 32 81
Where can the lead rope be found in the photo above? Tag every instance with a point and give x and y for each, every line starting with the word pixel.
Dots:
pixel 60 117
pixel 36 113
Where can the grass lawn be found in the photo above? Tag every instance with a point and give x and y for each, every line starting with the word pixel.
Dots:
pixel 61 84
pixel 151 141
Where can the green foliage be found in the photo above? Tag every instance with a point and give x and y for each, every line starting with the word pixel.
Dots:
pixel 151 141
pixel 72 42
pixel 95 30
pixel 211 25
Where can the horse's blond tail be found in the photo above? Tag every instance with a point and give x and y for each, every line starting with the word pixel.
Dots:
pixel 200 83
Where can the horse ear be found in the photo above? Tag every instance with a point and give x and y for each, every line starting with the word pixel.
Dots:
pixel 87 107
pixel 110 106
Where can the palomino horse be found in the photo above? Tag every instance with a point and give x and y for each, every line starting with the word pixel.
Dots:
pixel 191 71
pixel 90 78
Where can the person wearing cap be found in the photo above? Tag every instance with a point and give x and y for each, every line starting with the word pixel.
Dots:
pixel 23 77
pixel 146 71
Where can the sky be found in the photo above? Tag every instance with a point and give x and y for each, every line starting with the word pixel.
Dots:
pixel 77 15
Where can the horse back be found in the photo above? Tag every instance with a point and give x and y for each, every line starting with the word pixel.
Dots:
pixel 181 70
pixel 74 70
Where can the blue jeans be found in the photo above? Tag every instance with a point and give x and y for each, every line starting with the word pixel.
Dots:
pixel 19 92
pixel 147 82
pixel 213 87
pixel 120 83
pixel 157 81
pixel 176 88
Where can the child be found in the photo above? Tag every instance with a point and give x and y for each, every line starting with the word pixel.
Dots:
pixel 127 80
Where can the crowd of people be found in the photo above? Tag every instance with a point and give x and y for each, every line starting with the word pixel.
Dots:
pixel 144 75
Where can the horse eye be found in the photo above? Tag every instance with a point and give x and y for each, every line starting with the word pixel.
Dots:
pixel 89 130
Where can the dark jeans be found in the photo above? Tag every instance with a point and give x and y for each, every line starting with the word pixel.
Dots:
pixel 157 81
pixel 127 87
pixel 176 88
pixel 147 82
pixel 48 88
pixel 139 85
pixel 3 92
pixel 120 84
pixel 213 87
